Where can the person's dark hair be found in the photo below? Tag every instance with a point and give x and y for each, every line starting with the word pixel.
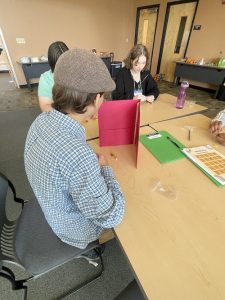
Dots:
pixel 70 100
pixel 54 52
pixel 135 53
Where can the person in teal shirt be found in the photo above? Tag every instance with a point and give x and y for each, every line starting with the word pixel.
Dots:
pixel 46 81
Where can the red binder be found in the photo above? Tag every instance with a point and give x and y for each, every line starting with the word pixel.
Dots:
pixel 119 123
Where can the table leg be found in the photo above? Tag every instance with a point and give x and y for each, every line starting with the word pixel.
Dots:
pixel 25 71
pixel 216 92
pixel 176 81
pixel 29 85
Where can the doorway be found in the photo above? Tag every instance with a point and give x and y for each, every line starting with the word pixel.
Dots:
pixel 176 34
pixel 146 22
pixel 6 66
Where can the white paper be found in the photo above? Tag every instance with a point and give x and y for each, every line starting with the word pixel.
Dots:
pixel 210 160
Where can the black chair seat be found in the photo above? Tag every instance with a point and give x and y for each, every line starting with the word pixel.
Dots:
pixel 45 250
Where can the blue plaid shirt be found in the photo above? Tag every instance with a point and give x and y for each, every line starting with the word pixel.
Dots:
pixel 78 197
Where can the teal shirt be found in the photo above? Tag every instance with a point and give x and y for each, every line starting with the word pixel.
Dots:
pixel 45 85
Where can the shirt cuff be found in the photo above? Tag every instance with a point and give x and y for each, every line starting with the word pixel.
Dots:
pixel 220 117
pixel 107 171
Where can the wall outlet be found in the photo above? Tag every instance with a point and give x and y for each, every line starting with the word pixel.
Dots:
pixel 20 41
pixel 126 40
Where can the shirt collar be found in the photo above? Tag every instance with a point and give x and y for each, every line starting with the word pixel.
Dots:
pixel 67 123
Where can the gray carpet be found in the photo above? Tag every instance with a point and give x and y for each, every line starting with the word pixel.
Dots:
pixel 13 130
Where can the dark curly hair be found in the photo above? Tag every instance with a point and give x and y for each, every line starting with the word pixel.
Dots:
pixel 135 53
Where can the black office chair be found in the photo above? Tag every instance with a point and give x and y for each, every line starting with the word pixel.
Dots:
pixel 29 247
pixel 131 292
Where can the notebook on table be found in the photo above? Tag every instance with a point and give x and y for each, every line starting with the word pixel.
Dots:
pixel 209 161
pixel 163 146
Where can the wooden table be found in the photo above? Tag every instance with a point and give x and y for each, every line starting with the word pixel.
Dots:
pixel 174 239
pixel 162 109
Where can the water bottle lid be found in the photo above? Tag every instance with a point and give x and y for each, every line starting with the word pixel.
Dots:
pixel 185 84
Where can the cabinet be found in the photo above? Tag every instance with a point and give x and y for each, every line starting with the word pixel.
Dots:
pixel 34 70
pixel 207 74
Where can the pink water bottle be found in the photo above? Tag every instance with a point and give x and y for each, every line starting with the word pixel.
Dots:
pixel 182 94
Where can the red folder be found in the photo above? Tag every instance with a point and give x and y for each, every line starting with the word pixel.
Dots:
pixel 119 123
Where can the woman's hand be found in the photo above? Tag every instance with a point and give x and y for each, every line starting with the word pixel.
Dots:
pixel 221 138
pixel 135 98
pixel 150 99
pixel 215 126
pixel 141 97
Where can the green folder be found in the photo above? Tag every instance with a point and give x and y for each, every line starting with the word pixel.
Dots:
pixel 165 148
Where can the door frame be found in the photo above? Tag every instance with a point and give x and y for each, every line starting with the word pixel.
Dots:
pixel 169 4
pixel 137 23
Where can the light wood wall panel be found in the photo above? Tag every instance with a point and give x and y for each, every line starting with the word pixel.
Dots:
pixel 205 43
pixel 146 30
pixel 169 57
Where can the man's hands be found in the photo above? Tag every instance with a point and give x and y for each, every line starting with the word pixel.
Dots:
pixel 215 128
pixel 102 160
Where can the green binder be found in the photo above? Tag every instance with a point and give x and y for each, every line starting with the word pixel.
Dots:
pixel 165 148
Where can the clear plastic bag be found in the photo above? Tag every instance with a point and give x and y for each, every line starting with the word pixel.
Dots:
pixel 168 191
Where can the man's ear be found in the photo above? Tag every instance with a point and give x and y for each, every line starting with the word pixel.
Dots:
pixel 97 100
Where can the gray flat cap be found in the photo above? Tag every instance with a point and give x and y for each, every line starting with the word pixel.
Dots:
pixel 84 71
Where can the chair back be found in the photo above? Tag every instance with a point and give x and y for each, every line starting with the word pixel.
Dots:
pixel 28 246
pixel 3 196
pixel 7 227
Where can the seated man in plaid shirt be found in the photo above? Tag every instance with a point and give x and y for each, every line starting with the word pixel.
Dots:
pixel 74 186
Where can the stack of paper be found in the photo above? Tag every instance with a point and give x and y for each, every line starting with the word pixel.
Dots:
pixel 210 161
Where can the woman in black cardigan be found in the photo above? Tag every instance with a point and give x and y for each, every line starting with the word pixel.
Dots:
pixel 134 81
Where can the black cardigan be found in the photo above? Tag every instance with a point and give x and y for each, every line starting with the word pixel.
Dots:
pixel 125 85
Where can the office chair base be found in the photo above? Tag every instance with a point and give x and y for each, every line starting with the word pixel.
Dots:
pixel 79 287
pixel 22 284
pixel 16 284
